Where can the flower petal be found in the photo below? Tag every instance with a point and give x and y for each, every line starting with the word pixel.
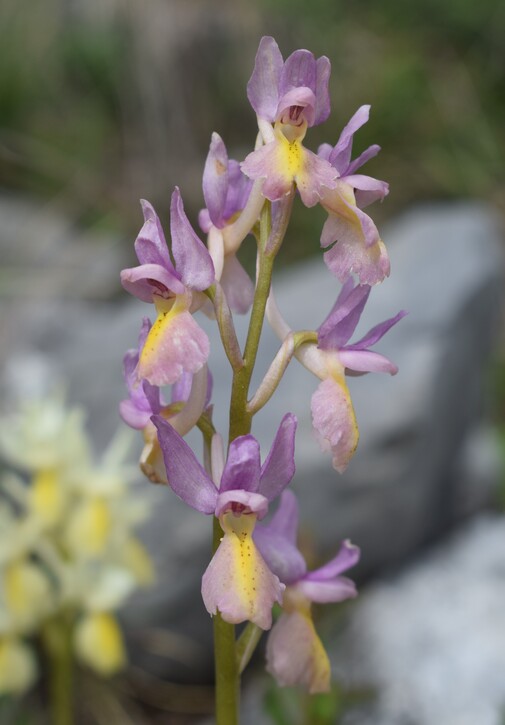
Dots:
pixel 295 654
pixel 299 70
pixel 150 245
pixel 322 592
pixel 192 259
pixel 340 324
pixel 186 476
pixel 334 421
pixel 341 154
pixel 377 333
pixel 237 581
pixel 175 344
pixel 263 85
pixel 323 70
pixel 242 468
pixel 237 285
pixel 215 179
pixel 366 361
pixel 279 466
pixel 348 556
pixel 145 280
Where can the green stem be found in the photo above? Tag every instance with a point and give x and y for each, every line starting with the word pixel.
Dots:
pixel 57 642
pixel 225 650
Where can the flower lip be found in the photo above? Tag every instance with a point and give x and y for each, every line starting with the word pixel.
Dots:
pixel 241 503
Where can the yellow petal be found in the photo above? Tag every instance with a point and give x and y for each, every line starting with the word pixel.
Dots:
pixel 17 667
pixel 89 527
pixel 46 497
pixel 99 643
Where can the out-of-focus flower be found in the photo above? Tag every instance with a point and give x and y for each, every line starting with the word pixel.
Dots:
pixel 175 343
pixel 18 668
pixel 295 654
pixel 99 643
pixel 237 582
pixel 359 248
pixel 293 95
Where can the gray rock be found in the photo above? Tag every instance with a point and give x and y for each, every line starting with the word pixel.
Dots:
pixel 402 489
pixel 431 640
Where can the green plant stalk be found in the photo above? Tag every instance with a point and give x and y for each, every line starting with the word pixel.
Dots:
pixel 57 644
pixel 228 662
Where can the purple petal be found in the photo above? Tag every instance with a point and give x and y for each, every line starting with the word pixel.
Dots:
pixel 347 557
pixel 204 221
pixel 300 96
pixel 366 361
pixel 253 502
pixel 365 156
pixel 176 344
pixel 350 255
pixel 133 415
pixel 334 422
pixel 324 151
pixel 215 180
pixel 328 591
pixel 243 465
pixel 377 333
pixel 192 259
pixel 150 245
pixel 263 85
pixel 285 520
pixel 295 654
pixel 279 466
pixel 323 70
pixel 346 220
pixel 343 319
pixel 276 541
pixel 186 476
pixel 149 279
pixel 299 70
pixel 237 285
pixel 182 388
pixel 341 154
pixel 239 188
pixel 368 188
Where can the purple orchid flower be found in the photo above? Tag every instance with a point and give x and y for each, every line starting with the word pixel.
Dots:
pixel 294 91
pixel 333 415
pixel 293 95
pixel 358 247
pixel 295 654
pixel 226 192
pixel 237 581
pixel 145 400
pixel 175 343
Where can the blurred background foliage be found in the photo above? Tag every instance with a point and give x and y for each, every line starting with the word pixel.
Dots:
pixel 103 102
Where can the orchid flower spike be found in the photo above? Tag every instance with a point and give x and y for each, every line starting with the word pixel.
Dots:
pixel 293 95
pixel 359 248
pixel 295 654
pixel 190 396
pixel 175 343
pixel 333 416
pixel 237 582
pixel 227 192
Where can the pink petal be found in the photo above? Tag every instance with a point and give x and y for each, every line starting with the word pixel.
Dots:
pixel 237 581
pixel 334 422
pixel 175 344
pixel 295 654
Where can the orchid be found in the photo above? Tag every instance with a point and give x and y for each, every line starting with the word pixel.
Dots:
pixel 190 395
pixel 237 581
pixel 359 248
pixel 226 192
pixel 254 565
pixel 175 343
pixel 293 95
pixel 295 654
